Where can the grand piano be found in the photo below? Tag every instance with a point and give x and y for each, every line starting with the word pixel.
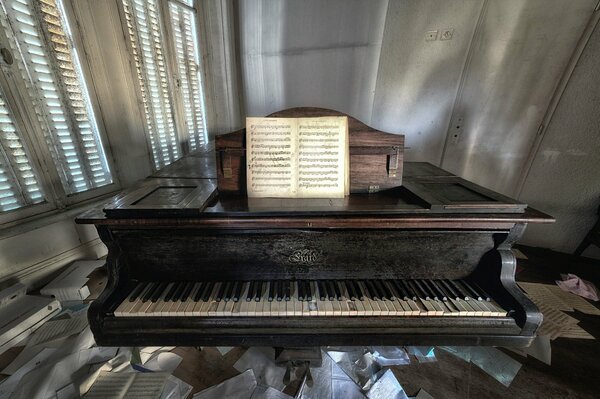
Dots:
pixel 413 256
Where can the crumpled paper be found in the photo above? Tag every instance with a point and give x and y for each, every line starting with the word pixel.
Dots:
pixel 359 364
pixel 572 283
pixel 390 355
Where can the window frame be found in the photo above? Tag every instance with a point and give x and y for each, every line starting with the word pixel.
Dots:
pixel 32 134
pixel 178 112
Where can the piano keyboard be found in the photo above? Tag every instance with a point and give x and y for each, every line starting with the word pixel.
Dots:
pixel 309 298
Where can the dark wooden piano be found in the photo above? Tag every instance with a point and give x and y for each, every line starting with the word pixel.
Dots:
pixel 418 256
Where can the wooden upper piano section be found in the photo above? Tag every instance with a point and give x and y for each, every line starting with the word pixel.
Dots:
pixel 207 187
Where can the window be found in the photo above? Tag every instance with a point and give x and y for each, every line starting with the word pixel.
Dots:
pixel 48 79
pixel 18 183
pixel 174 109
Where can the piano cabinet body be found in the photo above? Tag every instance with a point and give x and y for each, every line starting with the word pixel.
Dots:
pixel 163 252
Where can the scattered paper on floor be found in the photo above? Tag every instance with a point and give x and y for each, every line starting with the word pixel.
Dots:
pixel 239 387
pixel 260 360
pixel 128 385
pixel 387 387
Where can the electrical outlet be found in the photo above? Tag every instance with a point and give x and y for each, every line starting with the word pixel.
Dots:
pixel 431 35
pixel 446 34
pixel 457 130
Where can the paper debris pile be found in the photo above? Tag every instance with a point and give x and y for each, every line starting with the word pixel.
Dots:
pixel 553 302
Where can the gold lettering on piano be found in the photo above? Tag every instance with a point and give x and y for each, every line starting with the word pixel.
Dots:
pixel 305 256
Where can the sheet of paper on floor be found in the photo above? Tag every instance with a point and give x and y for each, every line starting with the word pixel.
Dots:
pixel 163 361
pixel 56 329
pixel 223 350
pixel 342 386
pixel 574 331
pixel 175 389
pixel 10 384
pixel 358 363
pixel 70 285
pixel 260 360
pixel 128 385
pixel 239 387
pixel 263 392
pixel 44 381
pixel 574 301
pixel 21 315
pixel 390 355
pixel 495 363
pixel 423 394
pixel 387 387
pixel 540 294
pixel 424 354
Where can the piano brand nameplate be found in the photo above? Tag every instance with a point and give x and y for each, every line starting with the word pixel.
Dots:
pixel 164 198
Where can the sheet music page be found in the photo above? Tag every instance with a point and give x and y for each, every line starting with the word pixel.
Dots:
pixel 297 157
pixel 322 157
pixel 270 157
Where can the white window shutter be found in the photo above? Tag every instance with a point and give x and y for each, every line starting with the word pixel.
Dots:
pixel 18 184
pixel 51 69
pixel 188 60
pixel 147 44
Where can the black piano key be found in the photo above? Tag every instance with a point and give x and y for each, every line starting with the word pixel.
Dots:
pixel 258 290
pixel 186 291
pixel 432 292
pixel 321 290
pixel 271 291
pixel 481 292
pixel 287 291
pixel 250 295
pixel 421 290
pixel 228 291
pixel 367 289
pixel 330 290
pixel 415 290
pixel 198 293
pixel 308 290
pixel 178 291
pixel 400 289
pixel 150 292
pixel 373 293
pixel 438 289
pixel 137 291
pixel 445 289
pixel 393 292
pixel 471 290
pixel 337 291
pixel 358 290
pixel 455 294
pixel 300 286
pixel 465 295
pixel 383 288
pixel 159 291
pixel 221 292
pixel 208 289
pixel 171 292
pixel 278 290
pixel 236 291
pixel 350 289
pixel 411 294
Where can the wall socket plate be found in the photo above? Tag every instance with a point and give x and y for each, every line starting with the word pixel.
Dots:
pixel 431 36
pixel 446 34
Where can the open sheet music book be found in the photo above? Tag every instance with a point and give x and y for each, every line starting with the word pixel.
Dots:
pixel 297 157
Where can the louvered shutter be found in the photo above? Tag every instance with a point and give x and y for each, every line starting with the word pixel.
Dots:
pixel 147 45
pixel 18 183
pixel 188 59
pixel 51 69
